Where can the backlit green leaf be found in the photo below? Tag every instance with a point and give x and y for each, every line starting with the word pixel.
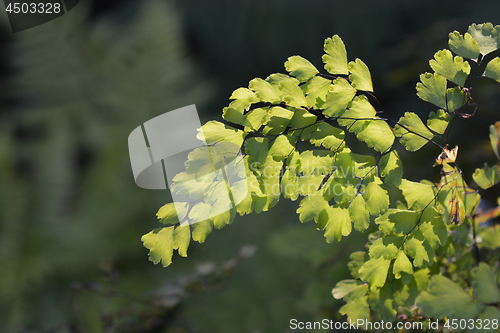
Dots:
pixel 256 118
pixel 327 136
pixel 465 46
pixel 302 118
pixel 316 90
pixel 417 195
pixel 432 89
pixel 374 271
pixel 360 76
pixel 402 264
pixel 342 189
pixel 223 219
pixel 433 228
pixel 270 176
pixel 290 185
pixel 242 196
pixel 316 161
pixel 182 237
pixel 351 165
pixel 357 309
pixel 493 69
pixel 455 98
pixel 471 199
pixel 442 298
pixel 438 121
pixel 279 119
pixel 376 197
pixel 335 58
pixel 336 223
pixel 235 117
pixel 265 91
pixel 300 68
pixel 309 184
pixel 377 135
pixel 358 258
pixel 292 94
pixel 276 79
pixel 385 247
pixel 487 36
pixel 414 134
pixel 188 184
pixel 204 160
pixel 160 243
pixel 172 212
pixel 199 211
pixel 416 249
pixel 487 177
pixel 350 290
pixel 340 94
pixel 452 68
pixel 282 147
pixel 201 230
pixel 242 99
pixel 391 168
pixel 256 190
pixel 256 148
pixel 358 115
pixel 359 213
pixel 214 131
pixel 311 206
pixel 397 221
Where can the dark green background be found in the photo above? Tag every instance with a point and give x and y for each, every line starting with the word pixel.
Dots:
pixel 71 216
pixel 44 12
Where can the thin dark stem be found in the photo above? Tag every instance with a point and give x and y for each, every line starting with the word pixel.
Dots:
pixel 376 99
pixel 418 134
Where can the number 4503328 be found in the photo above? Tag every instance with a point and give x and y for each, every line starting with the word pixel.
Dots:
pixel 32 8
pixel 485 324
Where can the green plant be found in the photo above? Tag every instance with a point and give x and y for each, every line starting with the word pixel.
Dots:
pixel 423 258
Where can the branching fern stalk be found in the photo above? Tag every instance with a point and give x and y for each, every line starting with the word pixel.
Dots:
pixel 419 262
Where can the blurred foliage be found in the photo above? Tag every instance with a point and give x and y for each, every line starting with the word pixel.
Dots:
pixel 67 195
pixel 71 216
